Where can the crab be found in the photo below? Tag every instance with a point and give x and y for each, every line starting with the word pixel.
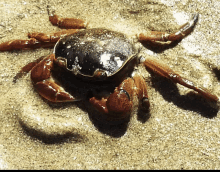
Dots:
pixel 101 57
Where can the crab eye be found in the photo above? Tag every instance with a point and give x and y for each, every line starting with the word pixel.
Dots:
pixel 101 74
pixel 61 61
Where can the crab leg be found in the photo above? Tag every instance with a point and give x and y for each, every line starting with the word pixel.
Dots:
pixel 165 71
pixel 67 23
pixel 183 31
pixel 53 37
pixel 36 40
pixel 27 68
pixel 141 91
pixel 43 83
pixel 20 44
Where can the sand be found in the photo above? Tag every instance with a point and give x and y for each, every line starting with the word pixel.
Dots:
pixel 181 131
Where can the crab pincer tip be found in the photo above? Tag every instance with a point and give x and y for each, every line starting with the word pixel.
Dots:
pixel 195 17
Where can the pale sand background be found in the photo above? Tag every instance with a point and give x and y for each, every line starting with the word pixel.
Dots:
pixel 182 131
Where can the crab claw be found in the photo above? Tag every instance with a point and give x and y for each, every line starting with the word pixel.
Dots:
pixel 121 100
pixel 119 103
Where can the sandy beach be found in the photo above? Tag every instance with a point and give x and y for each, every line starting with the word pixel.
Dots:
pixel 181 130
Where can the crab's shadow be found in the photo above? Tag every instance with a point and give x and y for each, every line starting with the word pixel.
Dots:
pixel 158 47
pixel 217 73
pixel 112 128
pixel 191 101
pixel 115 128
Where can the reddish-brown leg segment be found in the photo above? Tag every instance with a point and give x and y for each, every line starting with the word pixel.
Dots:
pixel 20 44
pixel 27 68
pixel 36 40
pixel 175 36
pixel 67 23
pixel 43 83
pixel 53 37
pixel 164 71
pixel 141 91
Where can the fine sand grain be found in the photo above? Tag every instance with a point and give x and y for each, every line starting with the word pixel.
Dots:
pixel 180 132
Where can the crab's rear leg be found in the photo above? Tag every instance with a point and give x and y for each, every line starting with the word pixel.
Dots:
pixel 183 31
pixel 44 84
pixel 164 71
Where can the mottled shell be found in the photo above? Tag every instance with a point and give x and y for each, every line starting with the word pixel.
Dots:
pixel 94 52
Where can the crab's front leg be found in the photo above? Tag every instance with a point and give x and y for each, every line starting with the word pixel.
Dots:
pixel 44 84
pixel 120 102
pixel 164 71
pixel 183 31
